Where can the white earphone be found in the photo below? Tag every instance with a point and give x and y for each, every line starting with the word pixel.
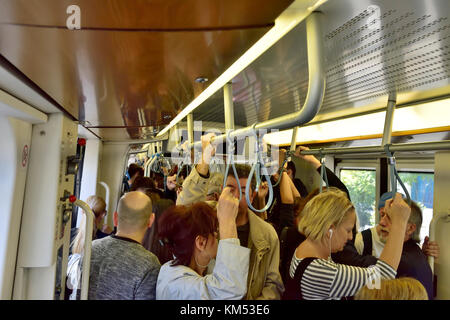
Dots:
pixel 331 232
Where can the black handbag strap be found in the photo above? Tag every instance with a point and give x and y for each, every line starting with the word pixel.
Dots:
pixel 293 287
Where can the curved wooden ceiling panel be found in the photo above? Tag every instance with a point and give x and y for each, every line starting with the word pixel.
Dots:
pixel 145 14
pixel 106 75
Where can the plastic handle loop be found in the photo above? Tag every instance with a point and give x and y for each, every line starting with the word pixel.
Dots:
pixel 259 164
pixel 184 162
pixel 395 176
pixel 280 171
pixel 214 165
pixel 180 168
pixel 231 162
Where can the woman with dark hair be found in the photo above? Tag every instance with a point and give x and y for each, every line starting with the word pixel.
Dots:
pixel 191 232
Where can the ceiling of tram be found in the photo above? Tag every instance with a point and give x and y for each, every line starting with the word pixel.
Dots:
pixel 371 49
pixel 132 66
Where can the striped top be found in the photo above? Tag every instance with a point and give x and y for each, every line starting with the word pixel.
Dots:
pixel 327 280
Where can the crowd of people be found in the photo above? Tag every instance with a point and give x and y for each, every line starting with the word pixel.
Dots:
pixel 199 240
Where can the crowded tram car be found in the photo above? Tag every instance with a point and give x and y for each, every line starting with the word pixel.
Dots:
pixel 224 150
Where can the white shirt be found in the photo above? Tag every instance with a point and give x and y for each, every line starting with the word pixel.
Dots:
pixel 377 244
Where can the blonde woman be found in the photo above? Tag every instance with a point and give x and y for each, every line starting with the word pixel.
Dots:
pixel 327 223
pixel 98 206
pixel 395 289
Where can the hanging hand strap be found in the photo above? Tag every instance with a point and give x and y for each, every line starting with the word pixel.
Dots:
pixel 230 162
pixel 259 166
pixel 280 170
pixel 394 174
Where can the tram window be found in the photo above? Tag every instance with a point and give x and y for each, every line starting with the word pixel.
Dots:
pixel 420 186
pixel 361 185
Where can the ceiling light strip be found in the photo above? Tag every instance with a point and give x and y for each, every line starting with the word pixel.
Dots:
pixel 290 18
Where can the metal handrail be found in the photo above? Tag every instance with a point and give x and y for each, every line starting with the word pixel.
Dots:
pixel 421 146
pixel 314 96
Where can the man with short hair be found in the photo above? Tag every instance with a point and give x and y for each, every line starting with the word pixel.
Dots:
pixel 121 268
pixel 264 279
pixel 413 262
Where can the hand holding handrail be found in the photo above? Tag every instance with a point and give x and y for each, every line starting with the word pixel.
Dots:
pixel 289 153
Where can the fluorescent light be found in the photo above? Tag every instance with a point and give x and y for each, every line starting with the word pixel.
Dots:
pixel 288 19
pixel 417 117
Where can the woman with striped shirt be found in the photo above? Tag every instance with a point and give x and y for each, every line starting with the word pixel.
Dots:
pixel 327 223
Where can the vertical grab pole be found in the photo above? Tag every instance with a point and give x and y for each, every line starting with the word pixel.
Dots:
pixel 85 271
pixel 190 130
pixel 294 139
pixel 228 107
pixel 387 134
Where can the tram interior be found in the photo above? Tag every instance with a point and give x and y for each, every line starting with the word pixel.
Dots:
pixel 125 81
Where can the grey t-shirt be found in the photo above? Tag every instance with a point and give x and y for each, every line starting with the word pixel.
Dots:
pixel 122 269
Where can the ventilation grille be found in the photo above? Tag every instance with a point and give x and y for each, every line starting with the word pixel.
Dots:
pixel 398 46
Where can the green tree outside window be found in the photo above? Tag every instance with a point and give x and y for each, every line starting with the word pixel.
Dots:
pixel 361 185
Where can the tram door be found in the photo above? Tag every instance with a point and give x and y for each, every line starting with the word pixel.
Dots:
pixel 45 228
pixel 15 144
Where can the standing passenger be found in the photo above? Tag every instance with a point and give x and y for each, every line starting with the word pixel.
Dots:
pixel 264 279
pixel 134 171
pixel 327 223
pixel 191 233
pixel 99 230
pixel 413 262
pixel 121 268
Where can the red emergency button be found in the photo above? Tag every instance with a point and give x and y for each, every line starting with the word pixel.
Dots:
pixel 82 142
pixel 72 198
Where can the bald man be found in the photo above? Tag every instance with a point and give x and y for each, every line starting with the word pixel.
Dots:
pixel 121 268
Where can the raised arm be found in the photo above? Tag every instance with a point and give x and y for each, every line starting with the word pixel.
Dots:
pixel 195 186
pixel 397 211
pixel 333 180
